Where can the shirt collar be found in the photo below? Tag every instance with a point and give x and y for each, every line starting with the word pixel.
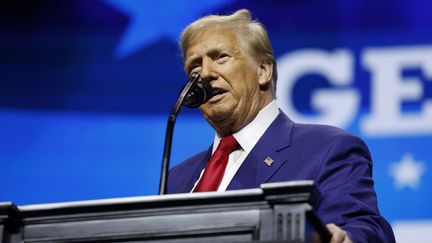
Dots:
pixel 249 135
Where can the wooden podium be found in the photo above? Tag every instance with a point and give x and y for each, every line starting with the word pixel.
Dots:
pixel 278 212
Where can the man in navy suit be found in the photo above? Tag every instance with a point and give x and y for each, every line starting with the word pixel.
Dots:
pixel 235 56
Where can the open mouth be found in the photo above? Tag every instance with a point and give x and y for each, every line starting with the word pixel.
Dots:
pixel 217 94
pixel 218 91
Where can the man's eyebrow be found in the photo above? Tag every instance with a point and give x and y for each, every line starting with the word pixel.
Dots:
pixel 189 60
pixel 216 49
pixel 210 51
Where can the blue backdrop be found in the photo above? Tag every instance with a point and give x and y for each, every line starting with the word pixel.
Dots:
pixel 86 88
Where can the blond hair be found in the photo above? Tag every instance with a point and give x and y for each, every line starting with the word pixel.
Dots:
pixel 253 36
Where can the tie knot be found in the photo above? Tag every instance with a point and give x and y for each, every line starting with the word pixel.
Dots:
pixel 228 144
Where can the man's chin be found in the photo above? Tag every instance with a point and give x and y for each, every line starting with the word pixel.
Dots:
pixel 215 113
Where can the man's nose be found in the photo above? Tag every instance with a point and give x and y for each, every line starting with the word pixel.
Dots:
pixel 207 71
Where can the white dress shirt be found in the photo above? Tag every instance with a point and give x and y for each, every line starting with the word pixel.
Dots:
pixel 247 137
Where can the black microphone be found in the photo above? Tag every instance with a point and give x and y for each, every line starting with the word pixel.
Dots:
pixel 199 94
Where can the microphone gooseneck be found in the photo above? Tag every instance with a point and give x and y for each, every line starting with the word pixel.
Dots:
pixel 192 95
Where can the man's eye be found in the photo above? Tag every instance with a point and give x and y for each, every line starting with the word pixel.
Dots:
pixel 193 68
pixel 222 56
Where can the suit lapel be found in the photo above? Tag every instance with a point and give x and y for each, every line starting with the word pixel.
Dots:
pixel 196 169
pixel 254 171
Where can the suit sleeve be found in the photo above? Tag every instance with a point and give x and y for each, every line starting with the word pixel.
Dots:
pixel 348 196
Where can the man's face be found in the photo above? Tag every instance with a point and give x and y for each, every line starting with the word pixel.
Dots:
pixel 218 56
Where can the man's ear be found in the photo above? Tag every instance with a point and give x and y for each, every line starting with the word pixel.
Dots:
pixel 265 74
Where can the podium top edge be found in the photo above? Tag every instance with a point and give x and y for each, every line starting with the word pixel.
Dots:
pixel 142 199
pixel 280 185
pixel 264 191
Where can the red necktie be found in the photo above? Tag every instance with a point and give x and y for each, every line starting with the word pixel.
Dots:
pixel 215 168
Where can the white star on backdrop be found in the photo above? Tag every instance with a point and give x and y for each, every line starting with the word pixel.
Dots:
pixel 407 172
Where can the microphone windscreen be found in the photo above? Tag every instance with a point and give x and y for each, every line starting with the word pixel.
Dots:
pixel 200 94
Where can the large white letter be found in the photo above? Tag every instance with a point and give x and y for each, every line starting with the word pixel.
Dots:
pixel 390 89
pixel 335 107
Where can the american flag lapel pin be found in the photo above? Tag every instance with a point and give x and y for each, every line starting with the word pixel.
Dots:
pixel 269 161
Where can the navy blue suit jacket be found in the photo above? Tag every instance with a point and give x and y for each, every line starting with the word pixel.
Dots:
pixel 338 162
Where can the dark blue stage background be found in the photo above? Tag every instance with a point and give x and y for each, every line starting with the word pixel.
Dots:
pixel 86 88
